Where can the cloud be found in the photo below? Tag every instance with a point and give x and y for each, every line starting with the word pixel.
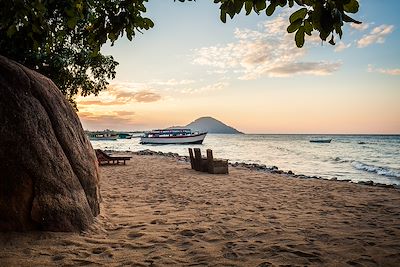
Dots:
pixel 123 95
pixel 100 103
pixel 268 51
pixel 377 35
pixel 107 120
pixel 208 88
pixel 174 82
pixel 360 27
pixel 118 94
pixel 312 68
pixel 341 46
pixel 393 72
pixel 146 97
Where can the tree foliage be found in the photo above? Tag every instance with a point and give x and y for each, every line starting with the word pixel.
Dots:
pixel 325 16
pixel 62 39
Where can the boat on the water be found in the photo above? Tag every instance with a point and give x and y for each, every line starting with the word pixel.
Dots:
pixel 102 136
pixel 173 136
pixel 320 140
pixel 124 136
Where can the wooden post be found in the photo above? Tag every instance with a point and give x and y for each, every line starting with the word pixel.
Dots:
pixel 191 158
pixel 210 161
pixel 197 159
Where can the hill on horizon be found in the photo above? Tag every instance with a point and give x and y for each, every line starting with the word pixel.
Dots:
pixel 211 125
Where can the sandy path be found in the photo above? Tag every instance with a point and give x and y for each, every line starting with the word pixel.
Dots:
pixel 157 211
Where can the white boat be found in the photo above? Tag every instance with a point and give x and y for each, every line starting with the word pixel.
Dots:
pixel 173 136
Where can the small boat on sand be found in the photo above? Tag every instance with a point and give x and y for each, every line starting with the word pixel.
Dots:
pixel 320 140
pixel 173 136
pixel 102 136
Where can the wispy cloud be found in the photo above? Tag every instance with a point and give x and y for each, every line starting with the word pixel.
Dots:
pixel 269 51
pixel 129 96
pixel 377 35
pixel 174 82
pixel 360 27
pixel 120 94
pixel 341 46
pixel 395 72
pixel 118 119
pixel 207 88
pixel 100 103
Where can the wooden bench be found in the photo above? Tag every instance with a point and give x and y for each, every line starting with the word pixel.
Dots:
pixel 208 164
pixel 103 158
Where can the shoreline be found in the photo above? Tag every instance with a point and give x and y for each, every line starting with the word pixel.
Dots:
pixel 254 166
pixel 157 211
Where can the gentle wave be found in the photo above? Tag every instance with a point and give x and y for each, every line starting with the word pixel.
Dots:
pixel 343 158
pixel 376 169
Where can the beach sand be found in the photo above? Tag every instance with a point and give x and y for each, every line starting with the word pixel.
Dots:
pixel 156 211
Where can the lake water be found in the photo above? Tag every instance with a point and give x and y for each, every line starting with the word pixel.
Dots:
pixel 355 157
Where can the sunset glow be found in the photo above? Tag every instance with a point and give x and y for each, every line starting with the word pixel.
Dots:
pixel 249 74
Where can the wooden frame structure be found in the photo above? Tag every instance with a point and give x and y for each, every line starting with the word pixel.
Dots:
pixel 208 164
pixel 103 158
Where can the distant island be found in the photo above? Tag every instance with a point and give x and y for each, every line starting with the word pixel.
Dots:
pixel 210 125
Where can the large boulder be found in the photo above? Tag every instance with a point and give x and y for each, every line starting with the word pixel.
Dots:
pixel 49 177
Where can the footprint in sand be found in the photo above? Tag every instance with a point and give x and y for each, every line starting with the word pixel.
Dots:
pixel 158 221
pixel 230 245
pixel 200 230
pixel 187 233
pixel 265 264
pixel 230 255
pixel 58 257
pixel 134 235
pixel 98 250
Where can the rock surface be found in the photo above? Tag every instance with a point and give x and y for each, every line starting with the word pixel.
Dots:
pixel 49 176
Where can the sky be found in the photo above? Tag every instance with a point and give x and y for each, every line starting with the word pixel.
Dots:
pixel 249 74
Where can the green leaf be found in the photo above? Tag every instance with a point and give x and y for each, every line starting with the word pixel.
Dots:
pixel 270 9
pixel 260 5
pixel 70 12
pixel 299 2
pixel 231 13
pixel 308 28
pixel 338 30
pixel 149 22
pixel 291 3
pixel 223 16
pixel 248 7
pixel 282 3
pixel 299 37
pixel 332 41
pixel 294 26
pixel 349 19
pixel 352 6
pixel 323 35
pixel 299 14
pixel 112 36
pixel 11 30
pixel 238 6
pixel 35 28
pixel 71 22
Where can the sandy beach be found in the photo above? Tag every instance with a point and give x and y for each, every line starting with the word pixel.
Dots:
pixel 156 211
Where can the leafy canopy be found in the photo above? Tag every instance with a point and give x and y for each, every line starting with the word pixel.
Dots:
pixel 62 39
pixel 325 16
